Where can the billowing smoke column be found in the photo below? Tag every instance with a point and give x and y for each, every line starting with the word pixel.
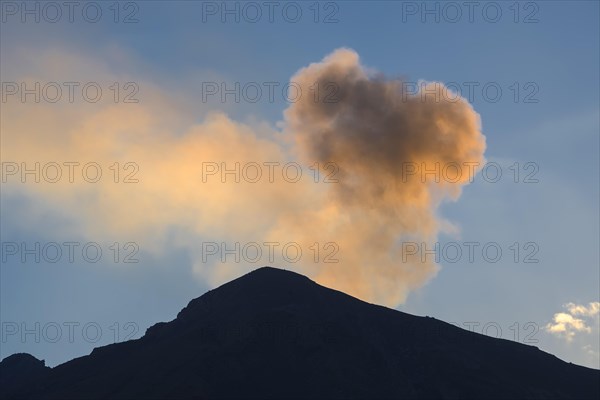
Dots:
pixel 382 138
pixel 378 137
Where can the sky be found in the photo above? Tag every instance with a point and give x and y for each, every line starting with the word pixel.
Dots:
pixel 135 111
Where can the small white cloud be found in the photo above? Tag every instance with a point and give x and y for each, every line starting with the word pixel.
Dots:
pixel 591 310
pixel 567 325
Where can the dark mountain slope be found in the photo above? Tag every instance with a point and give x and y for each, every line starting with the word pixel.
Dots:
pixel 19 369
pixel 276 334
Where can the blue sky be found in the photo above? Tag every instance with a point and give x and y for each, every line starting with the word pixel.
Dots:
pixel 553 60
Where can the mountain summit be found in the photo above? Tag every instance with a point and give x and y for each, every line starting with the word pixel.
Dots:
pixel 276 334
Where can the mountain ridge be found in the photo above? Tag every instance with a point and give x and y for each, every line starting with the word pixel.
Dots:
pixel 275 333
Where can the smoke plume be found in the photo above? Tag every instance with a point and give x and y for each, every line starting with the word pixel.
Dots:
pixel 382 137
pixel 370 138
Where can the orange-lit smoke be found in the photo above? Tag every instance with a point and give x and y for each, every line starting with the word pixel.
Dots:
pixel 367 131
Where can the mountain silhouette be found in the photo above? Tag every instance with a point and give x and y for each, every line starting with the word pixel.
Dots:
pixel 276 334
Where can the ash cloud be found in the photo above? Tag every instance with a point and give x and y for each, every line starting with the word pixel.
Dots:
pixel 375 130
pixel 370 129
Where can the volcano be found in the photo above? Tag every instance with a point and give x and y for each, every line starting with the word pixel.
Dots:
pixel 276 334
